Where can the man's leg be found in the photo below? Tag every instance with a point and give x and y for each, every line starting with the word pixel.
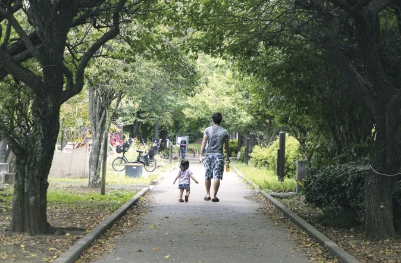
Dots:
pixel 216 185
pixel 207 185
pixel 208 175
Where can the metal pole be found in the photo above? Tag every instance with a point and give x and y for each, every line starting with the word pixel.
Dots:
pixel 247 149
pixel 170 152
pixel 281 161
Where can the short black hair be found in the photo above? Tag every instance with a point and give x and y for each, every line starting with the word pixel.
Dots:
pixel 217 117
pixel 184 165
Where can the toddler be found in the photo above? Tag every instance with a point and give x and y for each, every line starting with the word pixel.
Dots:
pixel 185 176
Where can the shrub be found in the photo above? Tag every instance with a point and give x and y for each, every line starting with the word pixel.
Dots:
pixel 267 157
pixel 242 155
pixel 233 145
pixel 339 186
pixel 259 157
pixel 194 147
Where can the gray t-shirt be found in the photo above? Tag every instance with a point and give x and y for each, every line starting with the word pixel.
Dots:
pixel 216 137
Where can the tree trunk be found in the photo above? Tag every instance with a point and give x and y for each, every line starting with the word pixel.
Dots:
pixel 95 159
pixel 380 183
pixel 99 104
pixel 32 168
pixel 163 136
pixel 137 126
pixel 369 78
pixel 378 207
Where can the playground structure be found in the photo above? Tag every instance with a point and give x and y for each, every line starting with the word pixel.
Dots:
pixel 72 161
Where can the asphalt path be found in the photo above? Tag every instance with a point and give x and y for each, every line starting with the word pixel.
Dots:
pixel 232 230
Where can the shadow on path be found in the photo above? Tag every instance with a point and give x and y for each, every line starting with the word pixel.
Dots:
pixel 232 230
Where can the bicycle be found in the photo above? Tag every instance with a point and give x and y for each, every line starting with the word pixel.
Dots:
pixel 148 160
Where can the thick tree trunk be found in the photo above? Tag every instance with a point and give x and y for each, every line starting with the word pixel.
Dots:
pixel 32 168
pixel 378 207
pixel 379 184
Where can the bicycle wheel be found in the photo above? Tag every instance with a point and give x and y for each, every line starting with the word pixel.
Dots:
pixel 150 165
pixel 119 164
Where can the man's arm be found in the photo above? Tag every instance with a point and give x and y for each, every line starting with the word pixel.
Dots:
pixel 227 150
pixel 202 147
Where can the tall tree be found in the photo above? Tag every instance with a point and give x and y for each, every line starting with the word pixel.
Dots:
pixel 158 87
pixel 36 51
pixel 360 38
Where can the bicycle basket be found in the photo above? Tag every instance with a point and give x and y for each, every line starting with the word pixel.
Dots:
pixel 122 148
pixel 119 149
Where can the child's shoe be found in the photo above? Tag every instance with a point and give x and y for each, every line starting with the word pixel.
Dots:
pixel 186 198
pixel 180 200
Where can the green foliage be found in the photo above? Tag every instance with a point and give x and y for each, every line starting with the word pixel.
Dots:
pixel 259 156
pixel 267 157
pixel 242 155
pixel 165 154
pixel 337 186
pixel 339 191
pixel 193 147
pixel 114 199
pixel 6 193
pixel 233 145
pixel 275 90
pixel 266 179
pixel 218 92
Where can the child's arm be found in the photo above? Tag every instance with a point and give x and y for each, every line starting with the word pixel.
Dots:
pixel 193 178
pixel 176 178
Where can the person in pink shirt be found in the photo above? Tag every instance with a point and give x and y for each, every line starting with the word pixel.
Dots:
pixel 184 182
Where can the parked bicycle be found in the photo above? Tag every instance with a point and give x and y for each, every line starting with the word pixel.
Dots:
pixel 148 160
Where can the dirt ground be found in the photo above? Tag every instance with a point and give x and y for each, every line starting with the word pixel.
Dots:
pixel 77 220
pixel 73 220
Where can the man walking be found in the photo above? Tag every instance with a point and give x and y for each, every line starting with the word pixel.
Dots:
pixel 214 139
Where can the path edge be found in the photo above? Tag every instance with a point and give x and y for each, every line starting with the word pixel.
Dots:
pixel 335 250
pixel 75 252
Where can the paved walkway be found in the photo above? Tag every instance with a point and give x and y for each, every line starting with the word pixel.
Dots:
pixel 232 230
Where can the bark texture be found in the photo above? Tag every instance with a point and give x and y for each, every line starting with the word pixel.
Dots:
pixel 49 81
pixel 100 99
pixel 370 63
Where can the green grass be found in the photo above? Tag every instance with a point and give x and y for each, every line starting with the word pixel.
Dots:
pixel 6 193
pixel 75 191
pixel 266 179
pixel 73 196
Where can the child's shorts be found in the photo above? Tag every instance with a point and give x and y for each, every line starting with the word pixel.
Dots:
pixel 183 186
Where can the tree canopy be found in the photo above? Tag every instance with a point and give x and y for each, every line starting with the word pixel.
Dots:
pixel 359 39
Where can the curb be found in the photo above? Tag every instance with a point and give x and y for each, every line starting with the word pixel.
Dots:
pixel 336 251
pixel 74 252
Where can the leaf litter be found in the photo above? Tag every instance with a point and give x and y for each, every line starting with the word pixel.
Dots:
pixel 79 220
